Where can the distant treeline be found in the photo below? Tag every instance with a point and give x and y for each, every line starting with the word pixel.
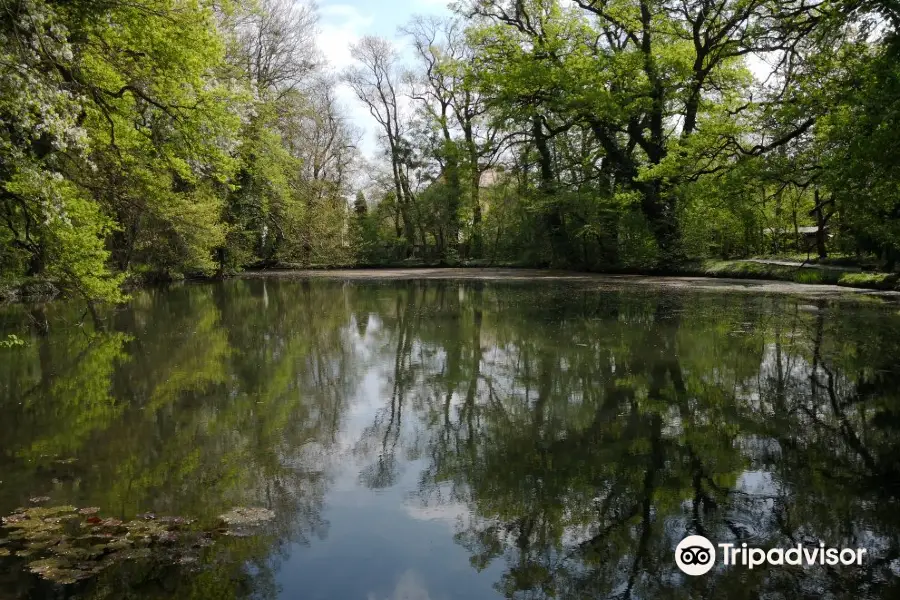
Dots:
pixel 638 133
pixel 161 138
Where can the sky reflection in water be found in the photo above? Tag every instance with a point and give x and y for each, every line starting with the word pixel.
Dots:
pixel 438 440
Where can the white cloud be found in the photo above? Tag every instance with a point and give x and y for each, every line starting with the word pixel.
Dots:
pixel 340 26
pixel 451 514
pixel 409 587
pixel 434 5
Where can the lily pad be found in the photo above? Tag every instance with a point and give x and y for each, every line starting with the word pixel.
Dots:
pixel 15 518
pixel 175 520
pixel 41 544
pixel 57 570
pixel 47 564
pixel 168 537
pixel 39 512
pixel 61 519
pixel 119 544
pixel 133 554
pixel 65 544
pixel 110 522
pixel 238 533
pixel 247 516
pixel 34 528
pixel 71 552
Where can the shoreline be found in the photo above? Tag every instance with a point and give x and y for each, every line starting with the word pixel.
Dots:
pixel 603 280
pixel 736 275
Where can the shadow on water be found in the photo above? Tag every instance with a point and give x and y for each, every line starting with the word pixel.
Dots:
pixel 577 435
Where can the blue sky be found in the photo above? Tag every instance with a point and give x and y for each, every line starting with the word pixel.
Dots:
pixel 342 22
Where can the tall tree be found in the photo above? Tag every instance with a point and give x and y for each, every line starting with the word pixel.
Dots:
pixel 376 81
pixel 654 81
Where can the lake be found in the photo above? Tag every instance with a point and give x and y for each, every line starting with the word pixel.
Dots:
pixel 440 439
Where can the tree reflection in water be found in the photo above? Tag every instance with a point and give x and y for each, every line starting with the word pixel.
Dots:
pixel 587 433
pixel 581 432
pixel 201 398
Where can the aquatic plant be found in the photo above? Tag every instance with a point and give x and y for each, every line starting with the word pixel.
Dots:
pixel 65 544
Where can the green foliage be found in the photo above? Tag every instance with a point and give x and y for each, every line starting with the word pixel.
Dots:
pixel 640 137
pixel 261 206
pixel 11 341
pixel 172 138
pixel 138 141
pixel 882 281
pixel 118 133
pixel 375 237
pixel 860 151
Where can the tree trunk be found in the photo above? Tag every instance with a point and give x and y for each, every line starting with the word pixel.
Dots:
pixel 38 260
pixel 546 185
pixel 820 227
pixel 451 244
pixel 475 188
pixel 402 200
pixel 477 243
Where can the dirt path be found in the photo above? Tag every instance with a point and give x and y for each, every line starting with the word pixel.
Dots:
pixel 604 281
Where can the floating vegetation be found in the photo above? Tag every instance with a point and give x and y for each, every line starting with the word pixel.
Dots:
pixel 65 544
pixel 57 570
pixel 243 521
pixel 247 516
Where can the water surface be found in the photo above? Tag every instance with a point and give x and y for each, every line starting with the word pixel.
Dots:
pixel 460 439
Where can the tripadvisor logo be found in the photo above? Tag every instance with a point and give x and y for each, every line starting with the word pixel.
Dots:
pixel 696 555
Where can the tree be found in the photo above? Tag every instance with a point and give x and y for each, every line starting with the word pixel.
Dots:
pixel 859 166
pixel 274 45
pixel 150 140
pixel 359 204
pixel 467 144
pixel 376 82
pixel 642 76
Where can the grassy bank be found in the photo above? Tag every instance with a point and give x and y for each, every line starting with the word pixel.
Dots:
pixel 740 269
